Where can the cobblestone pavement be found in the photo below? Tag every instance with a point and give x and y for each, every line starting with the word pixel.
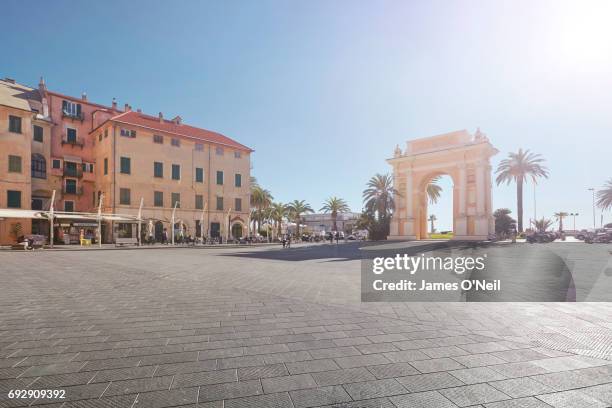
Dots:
pixel 264 327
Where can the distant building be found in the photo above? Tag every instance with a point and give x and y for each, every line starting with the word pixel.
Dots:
pixel 318 223
pixel 83 150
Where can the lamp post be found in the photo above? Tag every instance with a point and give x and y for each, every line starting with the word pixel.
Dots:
pixel 593 190
pixel 99 219
pixel 173 213
pixel 574 215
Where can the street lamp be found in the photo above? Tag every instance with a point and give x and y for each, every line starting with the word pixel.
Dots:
pixel 593 190
pixel 574 215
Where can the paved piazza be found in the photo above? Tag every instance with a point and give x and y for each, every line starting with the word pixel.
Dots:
pixel 266 327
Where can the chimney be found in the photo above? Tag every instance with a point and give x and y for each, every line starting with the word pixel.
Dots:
pixel 84 96
pixel 126 108
pixel 139 110
pixel 177 120
pixel 114 103
pixel 9 80
pixel 161 117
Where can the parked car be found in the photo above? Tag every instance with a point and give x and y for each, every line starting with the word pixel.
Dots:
pixel 540 237
pixel 599 237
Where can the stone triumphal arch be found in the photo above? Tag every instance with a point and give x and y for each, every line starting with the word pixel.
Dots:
pixel 462 156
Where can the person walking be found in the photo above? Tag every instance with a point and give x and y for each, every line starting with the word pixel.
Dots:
pixel 165 237
pixel 289 241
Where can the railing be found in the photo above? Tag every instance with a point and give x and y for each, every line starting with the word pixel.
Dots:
pixel 72 190
pixel 74 142
pixel 68 172
pixel 78 116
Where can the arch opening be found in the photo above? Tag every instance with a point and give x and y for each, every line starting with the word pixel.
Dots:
pixel 437 211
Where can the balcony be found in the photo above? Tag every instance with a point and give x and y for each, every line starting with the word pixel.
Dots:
pixel 76 116
pixel 77 141
pixel 70 190
pixel 68 172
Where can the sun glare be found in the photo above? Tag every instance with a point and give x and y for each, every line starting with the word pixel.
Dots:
pixel 583 34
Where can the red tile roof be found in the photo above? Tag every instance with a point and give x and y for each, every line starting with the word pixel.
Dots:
pixel 152 122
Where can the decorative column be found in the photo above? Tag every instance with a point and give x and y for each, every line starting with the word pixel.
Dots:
pixel 482 222
pixel 394 224
pixel 461 220
pixel 409 229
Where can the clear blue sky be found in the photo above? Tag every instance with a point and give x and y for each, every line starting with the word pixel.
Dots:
pixel 324 90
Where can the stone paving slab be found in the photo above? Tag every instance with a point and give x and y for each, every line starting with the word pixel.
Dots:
pixel 244 327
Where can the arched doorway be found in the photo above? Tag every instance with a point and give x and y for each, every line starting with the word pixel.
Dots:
pixel 463 157
pixel 436 211
pixel 237 231
pixel 159 231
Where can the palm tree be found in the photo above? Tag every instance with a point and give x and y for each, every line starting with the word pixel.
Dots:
pixel 335 206
pixel 517 167
pixel 431 219
pixel 278 211
pixel 260 199
pixel 542 224
pixel 378 197
pixel 559 217
pixel 604 196
pixel 434 190
pixel 296 209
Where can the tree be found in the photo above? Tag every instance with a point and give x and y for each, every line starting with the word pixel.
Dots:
pixel 260 199
pixel 604 196
pixel 559 217
pixel 378 196
pixel 542 224
pixel 434 190
pixel 296 209
pixel 504 223
pixel 278 211
pixel 517 167
pixel 335 206
pixel 431 219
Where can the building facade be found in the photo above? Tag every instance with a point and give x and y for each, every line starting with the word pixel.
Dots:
pixel 323 222
pixel 90 153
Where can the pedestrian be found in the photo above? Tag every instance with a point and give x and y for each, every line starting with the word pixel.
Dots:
pixel 289 241
pixel 337 237
pixel 165 236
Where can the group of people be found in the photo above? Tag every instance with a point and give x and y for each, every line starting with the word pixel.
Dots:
pixel 286 240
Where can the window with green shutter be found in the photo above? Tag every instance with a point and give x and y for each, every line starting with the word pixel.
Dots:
pixel 199 173
pixel 158 169
pixel 38 134
pixel 219 203
pixel 158 198
pixel 238 180
pixel 14 124
pixel 219 178
pixel 199 202
pixel 14 164
pixel 125 165
pixel 176 172
pixel 176 200
pixel 13 199
pixel 124 196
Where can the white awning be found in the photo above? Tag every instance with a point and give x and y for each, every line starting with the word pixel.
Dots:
pixel 18 213
pixel 32 214
pixel 73 159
